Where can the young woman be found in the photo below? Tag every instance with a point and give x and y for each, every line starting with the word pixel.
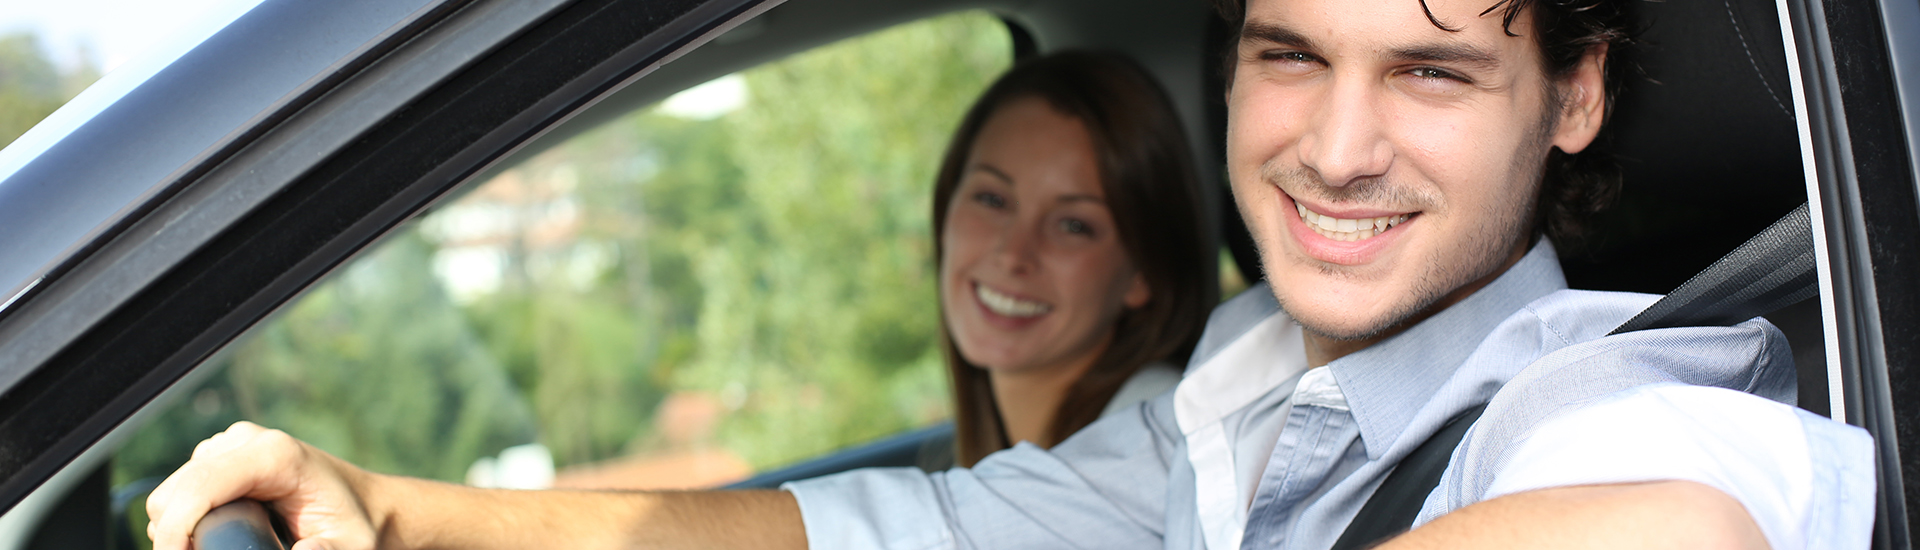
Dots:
pixel 1072 264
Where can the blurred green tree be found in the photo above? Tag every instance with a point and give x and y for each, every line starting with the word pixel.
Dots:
pixel 833 293
pixel 31 86
pixel 776 257
pixel 376 366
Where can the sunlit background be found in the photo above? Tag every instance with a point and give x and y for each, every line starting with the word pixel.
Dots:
pixel 732 280
pixel 51 50
pixel 102 34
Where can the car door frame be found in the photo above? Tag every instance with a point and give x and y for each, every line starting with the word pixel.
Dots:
pixel 1861 161
pixel 300 191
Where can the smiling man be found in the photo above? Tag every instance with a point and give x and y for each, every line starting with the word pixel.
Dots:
pixel 1405 171
pixel 1386 174
pixel 1405 168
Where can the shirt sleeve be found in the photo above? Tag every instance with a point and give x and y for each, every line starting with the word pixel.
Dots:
pixel 1105 487
pixel 1806 480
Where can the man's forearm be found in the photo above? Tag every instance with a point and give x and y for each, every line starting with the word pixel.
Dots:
pixel 1668 514
pixel 414 513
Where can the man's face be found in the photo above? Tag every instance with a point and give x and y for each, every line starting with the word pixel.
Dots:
pixel 1386 167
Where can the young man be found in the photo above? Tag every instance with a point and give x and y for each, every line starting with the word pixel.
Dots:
pixel 1389 160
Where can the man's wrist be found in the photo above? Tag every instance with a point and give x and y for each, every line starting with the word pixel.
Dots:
pixel 376 495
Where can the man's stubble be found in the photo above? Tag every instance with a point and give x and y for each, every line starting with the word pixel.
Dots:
pixel 1438 284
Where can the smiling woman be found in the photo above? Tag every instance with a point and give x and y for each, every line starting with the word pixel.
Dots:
pixel 1070 251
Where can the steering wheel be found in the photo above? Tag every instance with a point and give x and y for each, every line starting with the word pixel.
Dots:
pixel 239 525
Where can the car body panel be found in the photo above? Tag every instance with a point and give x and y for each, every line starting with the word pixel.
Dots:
pixel 72 192
pixel 1867 195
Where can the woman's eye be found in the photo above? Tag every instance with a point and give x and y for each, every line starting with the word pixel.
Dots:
pixel 990 200
pixel 1075 227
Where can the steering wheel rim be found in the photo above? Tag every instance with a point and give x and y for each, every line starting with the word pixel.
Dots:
pixel 243 524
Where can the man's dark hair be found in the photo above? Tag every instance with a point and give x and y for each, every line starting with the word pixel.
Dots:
pixel 1575 186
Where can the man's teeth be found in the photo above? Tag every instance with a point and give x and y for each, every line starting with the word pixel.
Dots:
pixel 1348 230
pixel 1008 305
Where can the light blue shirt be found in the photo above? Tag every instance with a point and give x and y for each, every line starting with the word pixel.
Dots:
pixel 1255 450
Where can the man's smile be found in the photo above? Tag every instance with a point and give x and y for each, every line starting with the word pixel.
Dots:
pixel 1348 229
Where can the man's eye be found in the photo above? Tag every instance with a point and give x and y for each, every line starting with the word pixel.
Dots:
pixel 1289 57
pixel 1433 73
pixel 990 200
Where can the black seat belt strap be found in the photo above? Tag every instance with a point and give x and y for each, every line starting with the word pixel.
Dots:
pixel 1774 269
pixel 1392 508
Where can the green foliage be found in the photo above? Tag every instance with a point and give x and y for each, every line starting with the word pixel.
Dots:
pixel 831 291
pixel 578 360
pixel 376 366
pixel 777 257
pixel 31 87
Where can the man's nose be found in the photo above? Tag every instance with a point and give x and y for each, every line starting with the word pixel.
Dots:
pixel 1345 139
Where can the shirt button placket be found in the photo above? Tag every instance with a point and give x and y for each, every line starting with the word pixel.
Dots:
pixel 1300 463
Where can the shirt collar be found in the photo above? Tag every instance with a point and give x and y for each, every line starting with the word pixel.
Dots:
pixel 1388 383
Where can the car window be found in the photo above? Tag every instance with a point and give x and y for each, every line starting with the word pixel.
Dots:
pixel 734 279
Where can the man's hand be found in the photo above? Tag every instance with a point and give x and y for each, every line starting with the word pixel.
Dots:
pixel 319 495
pixel 332 505
pixel 1667 514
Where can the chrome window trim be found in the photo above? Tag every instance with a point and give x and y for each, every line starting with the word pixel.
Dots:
pixel 1836 388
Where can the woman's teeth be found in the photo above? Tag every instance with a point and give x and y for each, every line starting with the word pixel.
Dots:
pixel 1348 230
pixel 1007 305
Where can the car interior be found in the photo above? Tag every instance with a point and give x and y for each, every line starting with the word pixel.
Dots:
pixel 1704 131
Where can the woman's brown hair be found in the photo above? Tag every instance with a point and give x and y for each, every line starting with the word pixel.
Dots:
pixel 1147 173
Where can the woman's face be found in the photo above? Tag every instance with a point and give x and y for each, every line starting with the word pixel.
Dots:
pixel 1033 276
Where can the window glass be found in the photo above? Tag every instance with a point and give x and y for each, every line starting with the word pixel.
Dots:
pixel 735 279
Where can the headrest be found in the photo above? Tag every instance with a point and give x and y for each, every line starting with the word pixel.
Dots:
pixel 1705 135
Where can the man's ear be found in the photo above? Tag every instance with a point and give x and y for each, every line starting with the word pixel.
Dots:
pixel 1583 105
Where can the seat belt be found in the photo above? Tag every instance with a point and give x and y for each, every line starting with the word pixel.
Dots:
pixel 1393 507
pixel 1774 269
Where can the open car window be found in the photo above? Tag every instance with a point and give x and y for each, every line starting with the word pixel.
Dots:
pixel 734 279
